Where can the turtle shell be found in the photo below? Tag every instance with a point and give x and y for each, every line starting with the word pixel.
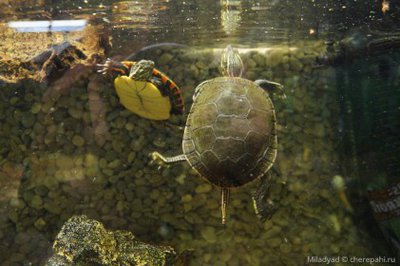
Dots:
pixel 230 135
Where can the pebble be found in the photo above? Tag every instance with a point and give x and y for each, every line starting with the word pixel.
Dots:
pixel 52 207
pixel 285 248
pixel 17 203
pixel 259 60
pixel 14 100
pixel 165 58
pixel 203 188
pixel 36 107
pixel 274 242
pixel 180 179
pixel 40 223
pixel 209 234
pixel 319 130
pixel 131 156
pixel 129 126
pixel 274 57
pixel 75 113
pixel 159 143
pixel 114 164
pixel 78 140
pixel 36 202
pixel 27 120
pixel 295 65
pixel 187 198
pixel 273 231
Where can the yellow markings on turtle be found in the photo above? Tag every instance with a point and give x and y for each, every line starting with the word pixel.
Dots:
pixel 142 98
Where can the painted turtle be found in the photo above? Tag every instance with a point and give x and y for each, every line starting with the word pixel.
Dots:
pixel 230 134
pixel 145 90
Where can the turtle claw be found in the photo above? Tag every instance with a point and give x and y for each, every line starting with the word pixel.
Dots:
pixel 102 71
pixel 282 96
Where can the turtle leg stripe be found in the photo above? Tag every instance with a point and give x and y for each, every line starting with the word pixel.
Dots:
pixel 155 155
pixel 225 193
pixel 119 67
pixel 119 70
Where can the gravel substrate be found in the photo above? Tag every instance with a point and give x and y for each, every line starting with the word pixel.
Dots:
pixel 67 156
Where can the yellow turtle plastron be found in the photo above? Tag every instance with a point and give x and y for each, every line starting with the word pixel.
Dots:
pixel 145 90
pixel 143 98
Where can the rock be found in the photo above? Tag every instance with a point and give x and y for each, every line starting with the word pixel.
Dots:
pixel 83 241
pixel 57 260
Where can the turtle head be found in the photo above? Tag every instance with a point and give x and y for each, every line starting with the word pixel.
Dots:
pixel 231 63
pixel 142 70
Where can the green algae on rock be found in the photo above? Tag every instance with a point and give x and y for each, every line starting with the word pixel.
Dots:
pixel 83 241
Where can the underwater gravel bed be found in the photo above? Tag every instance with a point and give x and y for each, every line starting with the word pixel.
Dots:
pixel 54 163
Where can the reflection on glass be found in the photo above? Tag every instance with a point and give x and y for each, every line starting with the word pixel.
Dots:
pixel 231 15
pixel 130 14
pixel 48 25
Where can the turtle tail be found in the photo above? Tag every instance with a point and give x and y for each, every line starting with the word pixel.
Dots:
pixel 225 192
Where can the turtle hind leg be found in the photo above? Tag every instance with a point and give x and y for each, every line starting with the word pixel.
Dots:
pixel 271 87
pixel 155 155
pixel 264 208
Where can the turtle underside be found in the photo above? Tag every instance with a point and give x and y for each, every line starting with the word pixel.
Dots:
pixel 230 135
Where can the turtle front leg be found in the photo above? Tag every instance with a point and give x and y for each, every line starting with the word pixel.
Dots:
pixel 155 155
pixel 158 83
pixel 271 87
pixel 264 207
pixel 113 67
